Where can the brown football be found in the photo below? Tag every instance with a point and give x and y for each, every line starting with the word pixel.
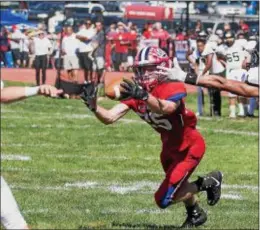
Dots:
pixel 112 84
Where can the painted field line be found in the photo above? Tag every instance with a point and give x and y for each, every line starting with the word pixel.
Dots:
pixel 130 172
pixel 36 211
pixel 127 121
pixel 120 188
pixel 107 145
pixel 53 145
pixel 231 197
pixel 236 186
pixel 15 157
pixel 116 189
pixel 114 158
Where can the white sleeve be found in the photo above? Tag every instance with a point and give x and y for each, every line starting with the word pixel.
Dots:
pixel 11 218
pixel 208 50
pixel 49 43
pixel 2 85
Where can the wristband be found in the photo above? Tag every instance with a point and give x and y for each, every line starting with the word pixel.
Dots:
pixel 31 91
pixel 191 79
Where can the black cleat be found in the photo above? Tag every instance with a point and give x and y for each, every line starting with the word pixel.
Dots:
pixel 211 183
pixel 195 218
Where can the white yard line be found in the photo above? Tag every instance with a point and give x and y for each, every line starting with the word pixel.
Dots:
pixel 15 157
pixel 130 172
pixel 143 187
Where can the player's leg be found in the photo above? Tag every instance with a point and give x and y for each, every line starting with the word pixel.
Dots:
pixel 232 98
pixel 11 218
pixel 176 188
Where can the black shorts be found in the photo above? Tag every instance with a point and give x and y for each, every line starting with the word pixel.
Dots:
pixel 121 57
pixel 132 53
pixel 16 54
pixel 85 61
pixel 24 55
pixel 40 62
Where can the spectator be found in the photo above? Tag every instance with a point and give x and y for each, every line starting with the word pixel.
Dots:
pixel 147 31
pixel 24 49
pixel 54 21
pixel 227 27
pixel 197 61
pixel 132 49
pixel 180 35
pixel 214 67
pixel 85 34
pixel 70 45
pixel 4 45
pixel 110 47
pixel 99 53
pixel 43 47
pixel 162 35
pixel 121 48
pixel 198 26
pixel 15 37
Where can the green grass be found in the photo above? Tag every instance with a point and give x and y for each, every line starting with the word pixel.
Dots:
pixel 66 147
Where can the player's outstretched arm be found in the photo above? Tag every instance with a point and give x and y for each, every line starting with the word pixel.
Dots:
pixel 16 93
pixel 236 87
pixel 89 96
pixel 232 86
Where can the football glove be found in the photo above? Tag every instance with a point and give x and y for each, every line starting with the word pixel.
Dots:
pixel 131 89
pixel 89 96
pixel 176 73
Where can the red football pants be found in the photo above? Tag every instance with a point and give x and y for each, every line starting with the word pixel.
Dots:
pixel 178 167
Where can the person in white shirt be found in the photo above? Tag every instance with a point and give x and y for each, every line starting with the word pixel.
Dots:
pixel 43 47
pixel 214 67
pixel 70 46
pixel 15 37
pixel 24 50
pixel 198 65
pixel 85 35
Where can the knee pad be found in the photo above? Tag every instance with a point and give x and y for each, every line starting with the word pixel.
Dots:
pixel 166 199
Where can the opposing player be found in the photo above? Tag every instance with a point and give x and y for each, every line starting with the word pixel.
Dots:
pixel 235 57
pixel 11 218
pixel 160 104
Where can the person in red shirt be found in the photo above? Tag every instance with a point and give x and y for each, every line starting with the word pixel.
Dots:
pixel 121 48
pixel 132 46
pixel 147 31
pixel 161 104
pixel 162 35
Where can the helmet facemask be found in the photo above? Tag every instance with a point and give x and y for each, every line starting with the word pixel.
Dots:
pixel 146 72
pixel 148 75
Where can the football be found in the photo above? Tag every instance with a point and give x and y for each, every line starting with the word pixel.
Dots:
pixel 112 85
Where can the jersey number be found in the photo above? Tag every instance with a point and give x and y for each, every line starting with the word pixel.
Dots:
pixel 233 57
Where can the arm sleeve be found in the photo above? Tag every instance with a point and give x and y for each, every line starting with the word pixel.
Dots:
pixel 208 50
pixel 173 91
pixel 129 103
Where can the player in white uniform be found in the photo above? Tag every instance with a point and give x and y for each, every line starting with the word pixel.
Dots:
pixel 235 56
pixel 11 218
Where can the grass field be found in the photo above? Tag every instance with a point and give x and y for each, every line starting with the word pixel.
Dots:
pixel 68 171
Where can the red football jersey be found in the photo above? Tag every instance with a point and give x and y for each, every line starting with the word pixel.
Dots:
pixel 176 129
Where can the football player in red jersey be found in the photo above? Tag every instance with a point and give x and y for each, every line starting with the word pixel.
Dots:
pixel 160 104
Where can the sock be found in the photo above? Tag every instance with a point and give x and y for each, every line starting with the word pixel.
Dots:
pixel 246 106
pixel 232 109
pixel 241 109
pixel 252 105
